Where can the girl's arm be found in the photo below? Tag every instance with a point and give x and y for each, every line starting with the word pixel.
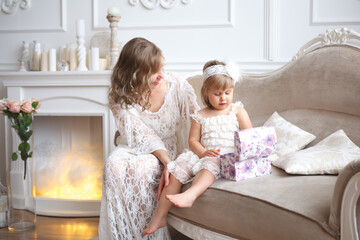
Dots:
pixel 243 118
pixel 194 142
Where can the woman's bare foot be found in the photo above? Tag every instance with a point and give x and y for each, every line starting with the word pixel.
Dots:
pixel 154 225
pixel 183 200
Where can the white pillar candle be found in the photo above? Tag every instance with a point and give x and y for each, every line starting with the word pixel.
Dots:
pixel 73 59
pixel 113 11
pixel 95 59
pixel 102 63
pixel 37 57
pixel 62 53
pixel 52 59
pixel 80 28
pixel 107 60
pixel 44 61
pixel 88 60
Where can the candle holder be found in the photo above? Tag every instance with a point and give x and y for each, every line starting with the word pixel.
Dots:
pixel 81 54
pixel 25 57
pixel 114 42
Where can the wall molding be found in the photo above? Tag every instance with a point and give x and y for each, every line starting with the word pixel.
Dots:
pixel 11 7
pixel 271 29
pixel 9 66
pixel 256 66
pixel 316 20
pixel 151 4
pixel 61 28
pixel 228 22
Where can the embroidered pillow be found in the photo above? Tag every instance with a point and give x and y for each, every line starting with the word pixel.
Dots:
pixel 329 156
pixel 290 138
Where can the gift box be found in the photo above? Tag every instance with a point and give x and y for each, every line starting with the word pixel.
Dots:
pixel 253 146
pixel 233 169
pixel 255 142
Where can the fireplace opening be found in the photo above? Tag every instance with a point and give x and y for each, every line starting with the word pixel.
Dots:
pixel 68 165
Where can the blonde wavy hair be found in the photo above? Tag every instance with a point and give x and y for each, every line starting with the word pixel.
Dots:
pixel 131 76
pixel 217 81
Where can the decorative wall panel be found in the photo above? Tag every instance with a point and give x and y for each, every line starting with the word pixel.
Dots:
pixel 40 16
pixel 190 14
pixel 330 12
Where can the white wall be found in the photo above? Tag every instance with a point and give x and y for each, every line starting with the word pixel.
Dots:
pixel 259 35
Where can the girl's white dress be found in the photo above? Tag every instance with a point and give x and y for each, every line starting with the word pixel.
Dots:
pixel 131 173
pixel 216 132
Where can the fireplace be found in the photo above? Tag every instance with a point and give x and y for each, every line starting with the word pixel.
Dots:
pixel 73 131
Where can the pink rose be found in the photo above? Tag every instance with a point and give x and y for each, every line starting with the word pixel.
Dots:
pixel 26 106
pixel 3 103
pixel 35 100
pixel 14 106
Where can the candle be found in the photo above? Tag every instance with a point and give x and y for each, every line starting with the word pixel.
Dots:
pixel 80 28
pixel 95 59
pixel 107 59
pixel 52 60
pixel 102 63
pixel 73 59
pixel 62 53
pixel 88 60
pixel 44 61
pixel 37 57
pixel 113 11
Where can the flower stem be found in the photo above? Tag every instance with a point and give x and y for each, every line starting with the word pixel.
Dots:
pixel 24 170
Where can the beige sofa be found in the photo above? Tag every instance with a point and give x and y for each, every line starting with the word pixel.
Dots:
pixel 319 91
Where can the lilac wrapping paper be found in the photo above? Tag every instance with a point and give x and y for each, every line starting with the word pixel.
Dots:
pixel 236 170
pixel 255 143
pixel 252 148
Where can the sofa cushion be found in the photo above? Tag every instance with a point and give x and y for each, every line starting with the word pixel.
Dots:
pixel 290 138
pixel 329 156
pixel 253 208
pixel 321 123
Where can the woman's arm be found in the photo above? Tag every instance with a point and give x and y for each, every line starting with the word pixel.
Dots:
pixel 243 118
pixel 164 158
pixel 162 155
pixel 134 132
pixel 194 142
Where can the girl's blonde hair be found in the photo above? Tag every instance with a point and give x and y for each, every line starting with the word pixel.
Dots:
pixel 131 77
pixel 217 81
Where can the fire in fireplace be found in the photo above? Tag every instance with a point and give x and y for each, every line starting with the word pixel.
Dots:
pixel 69 160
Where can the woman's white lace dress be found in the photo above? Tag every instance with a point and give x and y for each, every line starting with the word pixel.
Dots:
pixel 131 173
pixel 216 132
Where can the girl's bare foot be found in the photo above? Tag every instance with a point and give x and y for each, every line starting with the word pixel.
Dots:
pixel 154 225
pixel 183 200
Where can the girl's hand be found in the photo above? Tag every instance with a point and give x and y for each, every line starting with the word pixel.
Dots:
pixel 212 153
pixel 164 181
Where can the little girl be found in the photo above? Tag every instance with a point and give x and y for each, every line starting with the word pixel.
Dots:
pixel 211 134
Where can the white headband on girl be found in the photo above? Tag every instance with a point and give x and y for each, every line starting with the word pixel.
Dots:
pixel 229 70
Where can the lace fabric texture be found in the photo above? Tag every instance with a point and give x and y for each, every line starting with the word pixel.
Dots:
pixel 131 173
pixel 216 132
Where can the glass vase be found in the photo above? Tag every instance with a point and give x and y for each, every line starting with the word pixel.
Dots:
pixel 21 175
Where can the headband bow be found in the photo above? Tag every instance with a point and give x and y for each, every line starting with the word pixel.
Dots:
pixel 230 70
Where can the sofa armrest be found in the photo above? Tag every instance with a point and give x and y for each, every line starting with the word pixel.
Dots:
pixel 343 206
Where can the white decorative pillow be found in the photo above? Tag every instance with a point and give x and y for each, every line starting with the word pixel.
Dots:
pixel 290 138
pixel 329 156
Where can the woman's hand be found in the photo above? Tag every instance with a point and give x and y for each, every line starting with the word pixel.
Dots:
pixel 164 181
pixel 211 153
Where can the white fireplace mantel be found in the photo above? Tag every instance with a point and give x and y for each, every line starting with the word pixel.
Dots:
pixel 66 94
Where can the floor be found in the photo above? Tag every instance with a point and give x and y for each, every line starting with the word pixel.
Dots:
pixel 55 228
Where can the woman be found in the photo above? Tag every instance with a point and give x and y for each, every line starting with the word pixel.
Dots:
pixel 152 110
